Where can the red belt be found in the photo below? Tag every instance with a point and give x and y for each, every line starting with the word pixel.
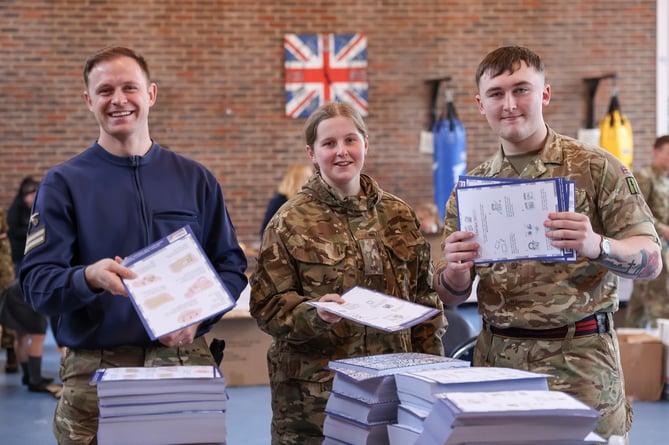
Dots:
pixel 597 323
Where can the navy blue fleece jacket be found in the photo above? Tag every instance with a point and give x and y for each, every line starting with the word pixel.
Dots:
pixel 97 205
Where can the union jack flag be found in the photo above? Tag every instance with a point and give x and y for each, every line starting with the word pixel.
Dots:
pixel 324 68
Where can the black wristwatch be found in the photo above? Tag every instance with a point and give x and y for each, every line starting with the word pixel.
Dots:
pixel 604 248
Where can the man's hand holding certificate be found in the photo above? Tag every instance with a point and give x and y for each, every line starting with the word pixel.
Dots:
pixel 176 285
pixel 377 310
pixel 507 216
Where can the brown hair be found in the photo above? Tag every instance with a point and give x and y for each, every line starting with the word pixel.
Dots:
pixel 294 179
pixel 507 58
pixel 28 186
pixel 327 111
pixel 112 53
pixel 660 141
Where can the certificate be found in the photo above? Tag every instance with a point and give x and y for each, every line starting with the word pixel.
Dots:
pixel 176 285
pixel 377 310
pixel 507 216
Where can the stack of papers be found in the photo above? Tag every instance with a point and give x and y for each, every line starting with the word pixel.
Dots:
pixel 418 388
pixel 509 417
pixel 507 216
pixel 391 364
pixel 417 391
pixel 363 401
pixel 171 404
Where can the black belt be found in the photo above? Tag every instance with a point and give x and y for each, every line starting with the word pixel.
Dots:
pixel 597 323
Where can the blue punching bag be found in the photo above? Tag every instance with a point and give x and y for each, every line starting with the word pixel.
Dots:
pixel 450 154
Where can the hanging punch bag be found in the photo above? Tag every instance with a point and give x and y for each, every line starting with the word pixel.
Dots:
pixel 450 155
pixel 616 132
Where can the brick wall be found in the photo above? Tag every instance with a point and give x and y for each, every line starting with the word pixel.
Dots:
pixel 219 69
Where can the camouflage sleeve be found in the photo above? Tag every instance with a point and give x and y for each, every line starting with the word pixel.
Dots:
pixel 450 222
pixel 6 264
pixel 276 301
pixel 4 225
pixel 426 336
pixel 621 207
pixel 656 200
pixel 645 183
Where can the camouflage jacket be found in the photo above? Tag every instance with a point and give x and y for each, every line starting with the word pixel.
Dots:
pixel 544 294
pixel 6 264
pixel 655 188
pixel 318 243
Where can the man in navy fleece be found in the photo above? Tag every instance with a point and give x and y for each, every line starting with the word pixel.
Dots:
pixel 118 196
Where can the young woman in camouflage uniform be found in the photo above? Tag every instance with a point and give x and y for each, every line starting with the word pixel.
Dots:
pixel 340 231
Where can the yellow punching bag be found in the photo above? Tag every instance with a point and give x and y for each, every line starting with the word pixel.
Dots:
pixel 615 133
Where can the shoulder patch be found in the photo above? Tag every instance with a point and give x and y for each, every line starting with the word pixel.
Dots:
pixel 632 185
pixel 35 238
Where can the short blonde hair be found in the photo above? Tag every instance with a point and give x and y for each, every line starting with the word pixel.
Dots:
pixel 294 179
pixel 428 217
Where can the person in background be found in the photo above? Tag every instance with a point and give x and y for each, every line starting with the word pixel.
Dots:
pixel 117 197
pixel 18 217
pixel 341 230
pixel 30 331
pixel 430 226
pixel 27 326
pixel 428 217
pixel 553 317
pixel 295 177
pixel 650 299
pixel 8 336
pixel 7 342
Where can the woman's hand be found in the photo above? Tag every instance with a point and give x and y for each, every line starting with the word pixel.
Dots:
pixel 326 316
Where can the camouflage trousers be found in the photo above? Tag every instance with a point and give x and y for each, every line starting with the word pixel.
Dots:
pixel 7 338
pixel 298 412
pixel 76 417
pixel 649 301
pixel 588 368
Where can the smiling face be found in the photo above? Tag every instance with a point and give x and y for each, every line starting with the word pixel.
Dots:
pixel 338 152
pixel 120 95
pixel 512 102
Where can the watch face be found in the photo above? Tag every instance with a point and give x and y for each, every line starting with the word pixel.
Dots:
pixel 606 247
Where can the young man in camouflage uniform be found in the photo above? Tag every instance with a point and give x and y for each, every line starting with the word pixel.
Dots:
pixel 341 230
pixel 650 299
pixel 553 317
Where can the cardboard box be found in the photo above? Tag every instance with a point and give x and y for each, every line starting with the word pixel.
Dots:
pixel 245 355
pixel 642 357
